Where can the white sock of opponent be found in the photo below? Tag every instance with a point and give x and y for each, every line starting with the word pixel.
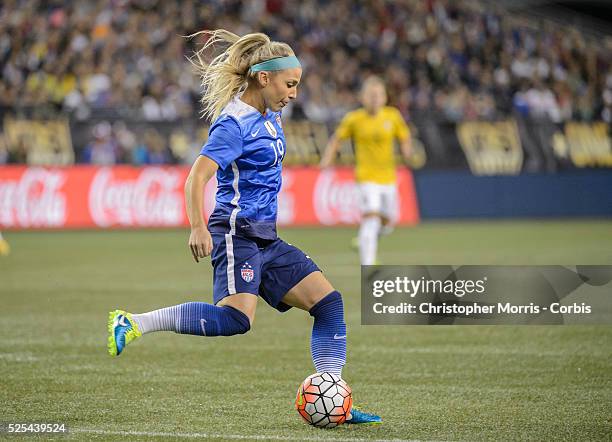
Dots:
pixel 368 239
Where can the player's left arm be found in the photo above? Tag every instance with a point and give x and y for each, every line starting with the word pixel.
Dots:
pixel 200 240
pixel 406 148
pixel 402 132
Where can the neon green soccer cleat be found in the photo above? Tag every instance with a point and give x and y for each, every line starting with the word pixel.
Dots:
pixel 122 330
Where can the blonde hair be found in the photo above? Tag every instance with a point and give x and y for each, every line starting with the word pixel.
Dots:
pixel 228 73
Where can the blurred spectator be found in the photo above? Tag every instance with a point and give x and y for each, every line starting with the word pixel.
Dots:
pixel 4 153
pixel 542 102
pixel 103 150
pixel 126 141
pixel 18 154
pixel 157 150
pixel 520 102
pixel 454 59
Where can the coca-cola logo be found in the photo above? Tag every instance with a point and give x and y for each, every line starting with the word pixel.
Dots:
pixel 336 199
pixel 34 200
pixel 153 198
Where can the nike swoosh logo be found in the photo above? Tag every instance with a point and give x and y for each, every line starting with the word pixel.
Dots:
pixel 254 134
pixel 339 337
pixel 202 324
pixel 122 321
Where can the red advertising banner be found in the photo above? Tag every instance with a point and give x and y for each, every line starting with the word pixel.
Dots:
pixel 125 196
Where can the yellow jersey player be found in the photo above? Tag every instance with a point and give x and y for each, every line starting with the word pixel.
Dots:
pixel 5 249
pixel 373 129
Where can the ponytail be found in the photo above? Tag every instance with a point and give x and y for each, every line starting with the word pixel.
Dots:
pixel 228 74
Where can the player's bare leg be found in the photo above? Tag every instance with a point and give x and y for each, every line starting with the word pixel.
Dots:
pixel 244 302
pixel 308 291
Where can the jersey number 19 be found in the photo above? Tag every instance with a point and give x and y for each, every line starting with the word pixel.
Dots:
pixel 279 150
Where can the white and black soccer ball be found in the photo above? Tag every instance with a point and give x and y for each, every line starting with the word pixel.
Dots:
pixel 324 400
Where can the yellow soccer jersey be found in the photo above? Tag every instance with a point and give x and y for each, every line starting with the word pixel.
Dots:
pixel 373 137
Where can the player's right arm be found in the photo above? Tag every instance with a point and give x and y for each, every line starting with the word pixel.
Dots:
pixel 224 145
pixel 200 241
pixel 330 152
pixel 343 132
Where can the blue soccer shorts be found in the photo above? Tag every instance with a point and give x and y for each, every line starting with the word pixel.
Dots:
pixel 240 265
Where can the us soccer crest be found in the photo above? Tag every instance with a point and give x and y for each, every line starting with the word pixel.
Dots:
pixel 247 272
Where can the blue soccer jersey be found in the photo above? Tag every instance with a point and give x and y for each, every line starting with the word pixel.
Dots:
pixel 249 149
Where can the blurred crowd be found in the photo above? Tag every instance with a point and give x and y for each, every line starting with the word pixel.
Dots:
pixel 454 60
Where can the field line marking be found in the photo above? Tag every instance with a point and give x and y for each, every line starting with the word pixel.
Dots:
pixel 223 436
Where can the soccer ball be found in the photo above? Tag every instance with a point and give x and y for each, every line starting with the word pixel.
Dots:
pixel 324 400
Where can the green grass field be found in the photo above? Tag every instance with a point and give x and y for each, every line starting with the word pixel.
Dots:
pixel 429 382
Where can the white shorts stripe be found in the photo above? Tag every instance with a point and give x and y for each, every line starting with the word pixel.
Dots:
pixel 229 246
pixel 236 198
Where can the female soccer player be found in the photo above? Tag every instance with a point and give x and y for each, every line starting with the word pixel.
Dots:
pixel 373 129
pixel 246 88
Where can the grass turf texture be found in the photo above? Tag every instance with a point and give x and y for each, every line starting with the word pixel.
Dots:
pixel 436 382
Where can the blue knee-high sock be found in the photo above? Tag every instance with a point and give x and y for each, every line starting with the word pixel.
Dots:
pixel 199 318
pixel 328 341
pixel 194 318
